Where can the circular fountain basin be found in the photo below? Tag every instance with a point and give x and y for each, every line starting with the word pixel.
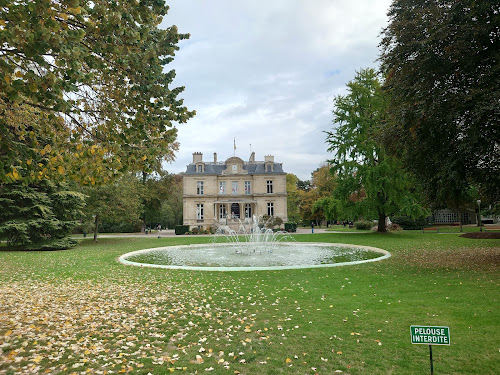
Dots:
pixel 253 257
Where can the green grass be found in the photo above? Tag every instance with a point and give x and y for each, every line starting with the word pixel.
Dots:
pixel 78 310
pixel 465 228
pixel 341 228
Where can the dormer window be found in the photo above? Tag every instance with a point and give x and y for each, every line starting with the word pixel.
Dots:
pixel 269 167
pixel 234 166
pixel 199 168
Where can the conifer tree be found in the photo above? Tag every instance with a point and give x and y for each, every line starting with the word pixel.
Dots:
pixel 39 216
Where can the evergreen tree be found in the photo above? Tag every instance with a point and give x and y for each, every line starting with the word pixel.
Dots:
pixel 39 216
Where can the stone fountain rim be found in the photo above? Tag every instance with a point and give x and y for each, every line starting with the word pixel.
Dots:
pixel 122 259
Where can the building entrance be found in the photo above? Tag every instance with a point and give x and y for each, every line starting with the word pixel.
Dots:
pixel 235 210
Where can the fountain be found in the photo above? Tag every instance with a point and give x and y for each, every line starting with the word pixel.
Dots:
pixel 253 247
pixel 255 236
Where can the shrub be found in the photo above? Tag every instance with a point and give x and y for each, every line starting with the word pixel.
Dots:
pixel 363 225
pixel 272 221
pixel 181 229
pixel 394 227
pixel 409 223
pixel 195 231
pixel 291 227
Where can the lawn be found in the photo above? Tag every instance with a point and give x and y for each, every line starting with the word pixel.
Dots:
pixel 341 228
pixel 80 311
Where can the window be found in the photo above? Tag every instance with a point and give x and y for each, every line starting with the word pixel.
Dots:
pixel 234 189
pixel 199 168
pixel 222 187
pixel 450 217
pixel 270 209
pixel 247 187
pixel 222 211
pixel 199 211
pixel 199 187
pixel 269 168
pixel 248 210
pixel 269 186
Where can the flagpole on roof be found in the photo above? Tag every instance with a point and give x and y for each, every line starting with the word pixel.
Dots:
pixel 234 141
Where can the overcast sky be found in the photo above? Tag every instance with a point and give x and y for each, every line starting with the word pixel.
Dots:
pixel 266 73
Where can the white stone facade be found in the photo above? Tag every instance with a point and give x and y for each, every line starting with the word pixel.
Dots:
pixel 232 191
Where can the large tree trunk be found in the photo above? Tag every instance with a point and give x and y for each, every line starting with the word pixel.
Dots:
pixel 381 222
pixel 96 227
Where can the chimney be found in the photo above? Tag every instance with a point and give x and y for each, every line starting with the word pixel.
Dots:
pixel 215 158
pixel 252 157
pixel 269 158
pixel 197 157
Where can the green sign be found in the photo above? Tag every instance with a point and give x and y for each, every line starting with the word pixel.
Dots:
pixel 428 335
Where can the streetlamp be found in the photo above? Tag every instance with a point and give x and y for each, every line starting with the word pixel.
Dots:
pixel 479 212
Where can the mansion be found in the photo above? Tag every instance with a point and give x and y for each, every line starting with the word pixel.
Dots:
pixel 232 191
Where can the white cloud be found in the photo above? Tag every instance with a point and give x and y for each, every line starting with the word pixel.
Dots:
pixel 266 73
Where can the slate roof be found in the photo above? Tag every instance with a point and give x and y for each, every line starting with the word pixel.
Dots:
pixel 217 168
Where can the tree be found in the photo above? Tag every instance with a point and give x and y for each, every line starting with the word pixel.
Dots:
pixel 293 198
pixel 117 201
pixel 443 75
pixel 161 200
pixel 370 183
pixel 323 180
pixel 39 216
pixel 37 213
pixel 329 206
pixel 323 183
pixel 304 185
pixel 320 186
pixel 174 199
pixel 306 207
pixel 27 141
pixel 96 68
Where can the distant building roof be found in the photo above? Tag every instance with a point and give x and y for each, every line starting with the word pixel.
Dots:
pixel 211 168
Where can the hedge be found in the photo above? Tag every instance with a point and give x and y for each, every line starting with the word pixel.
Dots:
pixel 408 223
pixel 364 225
pixel 181 229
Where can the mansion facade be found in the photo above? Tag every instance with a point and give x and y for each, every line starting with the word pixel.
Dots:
pixel 233 191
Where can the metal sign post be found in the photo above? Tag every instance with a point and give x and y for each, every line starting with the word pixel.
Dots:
pixel 430 335
pixel 430 352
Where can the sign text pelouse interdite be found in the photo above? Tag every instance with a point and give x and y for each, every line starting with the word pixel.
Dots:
pixel 429 335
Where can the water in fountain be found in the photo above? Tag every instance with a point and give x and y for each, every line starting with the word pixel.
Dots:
pixel 255 236
pixel 237 253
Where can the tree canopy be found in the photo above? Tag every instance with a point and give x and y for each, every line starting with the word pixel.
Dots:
pixel 370 183
pixel 321 185
pixel 96 69
pixel 442 63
